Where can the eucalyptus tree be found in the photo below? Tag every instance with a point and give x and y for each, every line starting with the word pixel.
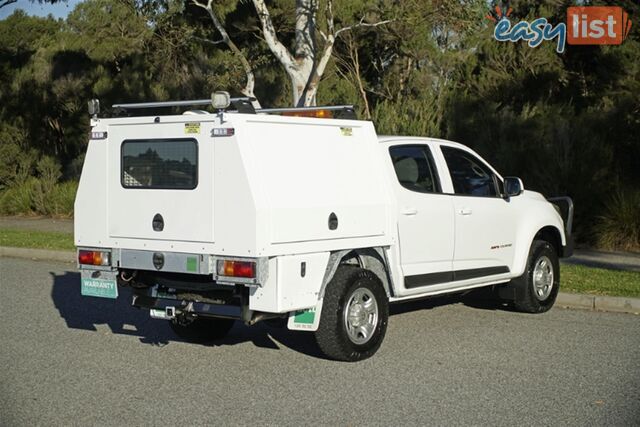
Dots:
pixel 313 44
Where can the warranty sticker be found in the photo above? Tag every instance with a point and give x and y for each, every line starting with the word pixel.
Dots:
pixel 191 128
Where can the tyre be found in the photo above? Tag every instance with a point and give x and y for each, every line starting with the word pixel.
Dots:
pixel 202 329
pixel 537 288
pixel 354 316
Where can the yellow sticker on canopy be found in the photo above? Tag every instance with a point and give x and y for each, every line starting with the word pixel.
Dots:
pixel 346 131
pixel 193 127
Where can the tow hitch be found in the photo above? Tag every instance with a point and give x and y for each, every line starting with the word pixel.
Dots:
pixel 167 306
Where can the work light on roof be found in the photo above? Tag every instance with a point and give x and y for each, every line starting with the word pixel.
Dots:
pixel 94 107
pixel 220 100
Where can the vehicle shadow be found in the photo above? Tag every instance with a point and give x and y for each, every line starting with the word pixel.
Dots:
pixel 88 313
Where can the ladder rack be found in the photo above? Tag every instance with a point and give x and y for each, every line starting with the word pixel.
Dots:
pixel 241 105
pixel 166 104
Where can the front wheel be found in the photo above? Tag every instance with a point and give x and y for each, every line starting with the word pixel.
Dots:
pixel 354 317
pixel 537 288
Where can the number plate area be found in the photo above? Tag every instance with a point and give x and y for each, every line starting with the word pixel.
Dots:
pixel 98 283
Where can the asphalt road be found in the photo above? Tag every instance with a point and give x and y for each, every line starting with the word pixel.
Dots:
pixel 70 360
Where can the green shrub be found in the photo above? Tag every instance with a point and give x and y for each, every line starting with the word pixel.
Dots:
pixel 619 227
pixel 60 201
pixel 16 161
pixel 35 197
pixel 9 153
pixel 18 199
pixel 49 173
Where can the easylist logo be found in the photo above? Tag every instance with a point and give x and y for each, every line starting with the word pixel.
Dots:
pixel 597 25
pixel 585 25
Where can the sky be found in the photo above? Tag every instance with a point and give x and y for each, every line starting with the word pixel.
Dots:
pixel 58 10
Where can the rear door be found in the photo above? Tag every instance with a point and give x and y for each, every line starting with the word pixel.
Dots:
pixel 425 218
pixel 160 182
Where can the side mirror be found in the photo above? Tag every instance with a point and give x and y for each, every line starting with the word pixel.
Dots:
pixel 513 186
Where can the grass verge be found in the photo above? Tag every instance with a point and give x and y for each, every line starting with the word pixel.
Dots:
pixel 598 281
pixel 36 239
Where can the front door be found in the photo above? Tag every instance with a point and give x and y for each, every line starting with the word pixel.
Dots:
pixel 425 219
pixel 485 223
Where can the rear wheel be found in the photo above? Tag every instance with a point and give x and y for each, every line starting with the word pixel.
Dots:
pixel 354 317
pixel 201 329
pixel 537 288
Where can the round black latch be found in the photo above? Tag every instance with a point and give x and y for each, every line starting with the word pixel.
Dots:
pixel 158 260
pixel 157 223
pixel 333 221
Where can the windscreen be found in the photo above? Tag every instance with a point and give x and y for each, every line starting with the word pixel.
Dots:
pixel 160 163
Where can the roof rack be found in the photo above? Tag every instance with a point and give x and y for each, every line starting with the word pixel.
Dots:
pixel 243 105
pixel 166 104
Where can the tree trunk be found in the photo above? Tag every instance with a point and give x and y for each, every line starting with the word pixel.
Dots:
pixel 306 66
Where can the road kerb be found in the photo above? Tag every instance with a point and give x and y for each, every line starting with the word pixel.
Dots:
pixel 38 254
pixel 576 301
pixel 618 304
pixel 599 303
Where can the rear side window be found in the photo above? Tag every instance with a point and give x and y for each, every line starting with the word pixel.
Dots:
pixel 160 163
pixel 415 168
pixel 470 176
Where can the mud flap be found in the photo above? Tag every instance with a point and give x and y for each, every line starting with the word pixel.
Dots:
pixel 305 320
pixel 508 292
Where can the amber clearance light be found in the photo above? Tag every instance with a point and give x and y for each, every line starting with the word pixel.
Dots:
pixel 320 114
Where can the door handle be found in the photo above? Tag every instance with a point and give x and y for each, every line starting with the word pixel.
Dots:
pixel 465 211
pixel 409 211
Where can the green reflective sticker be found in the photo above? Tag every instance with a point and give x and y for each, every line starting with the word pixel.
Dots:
pixel 192 264
pixel 99 288
pixel 305 316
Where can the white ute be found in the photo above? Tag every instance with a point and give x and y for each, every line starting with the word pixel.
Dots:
pixel 254 215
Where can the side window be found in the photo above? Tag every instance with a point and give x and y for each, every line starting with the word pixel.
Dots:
pixel 470 176
pixel 415 168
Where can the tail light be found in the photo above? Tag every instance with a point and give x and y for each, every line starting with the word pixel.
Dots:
pixel 245 269
pixel 87 257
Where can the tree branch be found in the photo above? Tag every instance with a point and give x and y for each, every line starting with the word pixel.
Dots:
pixel 251 80
pixel 212 42
pixel 330 26
pixel 4 3
pixel 362 24
pixel 305 40
pixel 276 47
pixel 355 61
